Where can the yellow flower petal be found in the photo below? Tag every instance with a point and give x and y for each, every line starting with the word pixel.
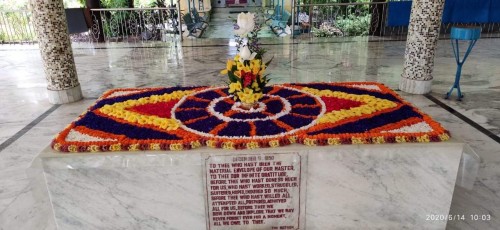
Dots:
pixel 230 64
pixel 235 86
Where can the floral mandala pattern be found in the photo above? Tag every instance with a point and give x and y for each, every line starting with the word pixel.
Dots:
pixel 313 114
pixel 213 113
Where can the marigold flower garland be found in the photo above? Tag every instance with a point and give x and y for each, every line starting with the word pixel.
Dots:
pixel 181 118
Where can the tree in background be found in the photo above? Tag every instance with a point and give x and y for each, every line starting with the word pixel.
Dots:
pixel 74 3
pixel 117 3
pixel 351 20
pixel 13 4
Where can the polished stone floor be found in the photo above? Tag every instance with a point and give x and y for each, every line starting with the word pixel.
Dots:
pixel 223 18
pixel 28 122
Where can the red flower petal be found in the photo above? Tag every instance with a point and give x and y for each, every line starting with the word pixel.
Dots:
pixel 334 104
pixel 160 109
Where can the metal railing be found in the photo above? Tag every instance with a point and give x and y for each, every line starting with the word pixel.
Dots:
pixel 136 24
pixel 16 27
pixel 362 19
pixel 161 24
pixel 339 19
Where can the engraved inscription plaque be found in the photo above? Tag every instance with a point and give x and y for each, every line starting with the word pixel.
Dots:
pixel 253 191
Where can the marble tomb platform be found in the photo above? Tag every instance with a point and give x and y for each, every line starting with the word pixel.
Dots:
pixel 389 186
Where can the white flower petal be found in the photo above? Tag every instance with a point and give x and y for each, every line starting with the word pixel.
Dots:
pixel 252 56
pixel 246 55
pixel 245 23
pixel 240 32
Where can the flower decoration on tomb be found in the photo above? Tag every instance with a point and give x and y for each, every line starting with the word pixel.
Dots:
pixel 181 118
pixel 246 71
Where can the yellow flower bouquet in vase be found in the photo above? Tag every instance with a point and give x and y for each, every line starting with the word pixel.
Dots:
pixel 246 71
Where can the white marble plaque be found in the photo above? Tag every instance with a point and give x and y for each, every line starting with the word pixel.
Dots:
pixel 253 191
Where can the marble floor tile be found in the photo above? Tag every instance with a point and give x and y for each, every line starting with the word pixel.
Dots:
pixel 198 62
pixel 483 107
pixel 484 198
pixel 22 206
pixel 27 207
pixel 223 18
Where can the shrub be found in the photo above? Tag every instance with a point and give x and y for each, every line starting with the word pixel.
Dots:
pixel 355 25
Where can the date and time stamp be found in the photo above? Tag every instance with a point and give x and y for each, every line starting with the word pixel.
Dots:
pixel 458 217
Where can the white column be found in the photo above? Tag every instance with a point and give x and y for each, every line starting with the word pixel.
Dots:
pixel 423 34
pixel 49 19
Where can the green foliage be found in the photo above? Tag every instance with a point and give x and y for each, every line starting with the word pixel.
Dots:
pixel 114 3
pixel 74 3
pixel 113 26
pixel 342 10
pixel 355 25
pixel 13 4
pixel 232 77
pixel 352 25
pixel 113 19
pixel 3 37
pixel 327 30
pixel 148 3
pixel 15 27
pixel 157 3
pixel 346 20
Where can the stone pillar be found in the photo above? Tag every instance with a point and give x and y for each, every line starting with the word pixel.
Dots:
pixel 49 19
pixel 423 33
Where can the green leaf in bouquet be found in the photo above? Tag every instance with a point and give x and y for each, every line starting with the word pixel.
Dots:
pixel 232 77
pixel 258 80
pixel 269 62
pixel 262 82
pixel 265 80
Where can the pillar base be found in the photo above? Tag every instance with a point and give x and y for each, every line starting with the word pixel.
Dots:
pixel 415 86
pixel 65 96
